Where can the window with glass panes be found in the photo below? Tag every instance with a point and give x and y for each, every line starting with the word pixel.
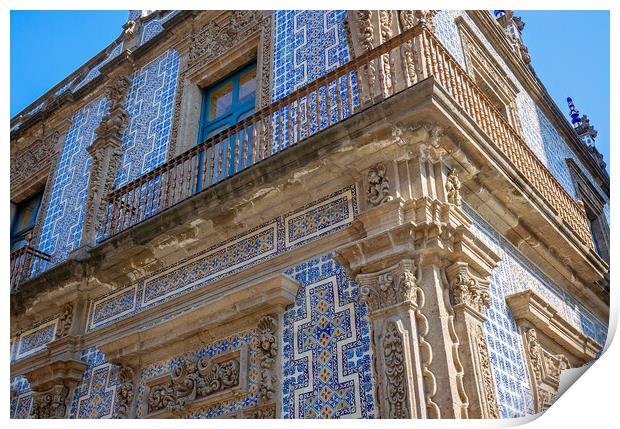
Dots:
pixel 24 220
pixel 225 104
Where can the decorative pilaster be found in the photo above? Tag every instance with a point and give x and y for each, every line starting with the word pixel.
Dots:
pixel 104 153
pixel 469 295
pixel 406 386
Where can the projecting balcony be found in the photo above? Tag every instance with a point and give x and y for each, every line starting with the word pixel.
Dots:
pixel 414 56
pixel 27 262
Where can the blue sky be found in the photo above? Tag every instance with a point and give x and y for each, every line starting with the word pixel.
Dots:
pixel 569 49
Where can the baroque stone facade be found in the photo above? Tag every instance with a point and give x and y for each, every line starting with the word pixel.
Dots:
pixel 357 246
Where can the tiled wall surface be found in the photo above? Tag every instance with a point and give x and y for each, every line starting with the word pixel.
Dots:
pixel 327 360
pixel 515 273
pixel 62 226
pixel 150 104
pixel 307 44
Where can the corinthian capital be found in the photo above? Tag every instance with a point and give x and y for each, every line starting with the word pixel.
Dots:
pixel 466 288
pixel 393 286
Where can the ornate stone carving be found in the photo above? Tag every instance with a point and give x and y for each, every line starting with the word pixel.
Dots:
pixel 65 321
pixel 453 188
pixel 267 345
pixel 50 404
pixel 487 376
pixel 395 372
pixel 125 392
pixel 266 62
pixel 425 17
pixel 129 29
pixel 468 290
pixel 104 153
pixel 213 39
pixel 545 370
pixel 391 288
pixel 32 159
pixel 406 18
pixel 193 379
pixel 268 412
pixel 378 191
pixel 386 17
pixel 366 30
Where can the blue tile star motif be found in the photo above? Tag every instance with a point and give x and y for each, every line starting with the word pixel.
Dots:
pixel 327 357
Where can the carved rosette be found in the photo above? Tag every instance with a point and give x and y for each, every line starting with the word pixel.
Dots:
pixel 51 404
pixel 378 186
pixel 395 374
pixel 467 289
pixel 267 347
pixel 125 392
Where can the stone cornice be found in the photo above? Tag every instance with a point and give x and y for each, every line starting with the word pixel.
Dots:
pixel 529 306
pixel 496 36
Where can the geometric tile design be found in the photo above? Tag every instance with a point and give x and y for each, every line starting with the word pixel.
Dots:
pixel 62 226
pixel 35 339
pixel 448 33
pixel 307 45
pixel 153 27
pixel 94 397
pixel 327 366
pixel 259 244
pixel 94 72
pixel 22 401
pixel 219 408
pixel 514 274
pixel 150 102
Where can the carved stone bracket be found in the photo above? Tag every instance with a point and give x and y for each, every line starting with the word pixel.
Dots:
pixel 467 289
pixel 51 387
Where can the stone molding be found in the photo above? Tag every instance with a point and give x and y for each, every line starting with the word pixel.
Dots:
pixel 529 307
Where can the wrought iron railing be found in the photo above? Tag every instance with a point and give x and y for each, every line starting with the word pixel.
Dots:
pixel 27 262
pixel 397 64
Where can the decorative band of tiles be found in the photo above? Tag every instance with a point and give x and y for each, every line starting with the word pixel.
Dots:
pixel 270 239
pixel 33 340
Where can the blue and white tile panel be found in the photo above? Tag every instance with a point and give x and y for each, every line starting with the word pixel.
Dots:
pixel 150 104
pixel 327 353
pixel 261 243
pixel 514 274
pixel 62 226
pixel 21 404
pixel 94 72
pixel 307 45
pixel 153 27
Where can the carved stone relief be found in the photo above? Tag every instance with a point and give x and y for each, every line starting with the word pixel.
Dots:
pixel 378 190
pixel 267 345
pixel 125 392
pixel 453 188
pixel 395 375
pixel 32 159
pixel 65 321
pixel 51 404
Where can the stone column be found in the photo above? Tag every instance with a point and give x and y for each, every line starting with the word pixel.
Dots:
pixel 422 274
pixel 105 152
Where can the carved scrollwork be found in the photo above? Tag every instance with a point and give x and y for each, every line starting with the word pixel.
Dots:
pixel 395 374
pixel 50 404
pixel 487 377
pixel 267 346
pixel 32 159
pixel 545 370
pixel 125 392
pixel 378 191
pixel 192 379
pixel 396 286
pixel 468 290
